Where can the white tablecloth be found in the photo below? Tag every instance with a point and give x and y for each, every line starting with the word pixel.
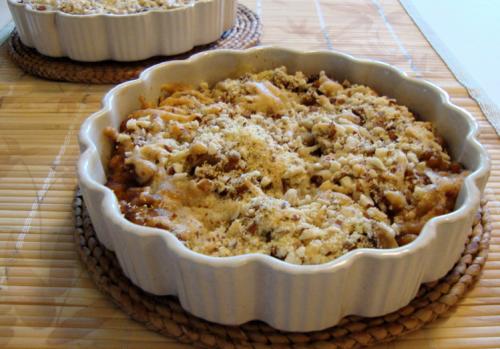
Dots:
pixel 466 34
pixel 6 24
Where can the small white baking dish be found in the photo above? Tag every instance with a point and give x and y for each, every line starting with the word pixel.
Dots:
pixel 233 290
pixel 130 37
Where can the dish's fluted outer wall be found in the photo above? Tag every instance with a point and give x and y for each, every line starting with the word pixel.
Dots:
pixel 131 37
pixel 233 290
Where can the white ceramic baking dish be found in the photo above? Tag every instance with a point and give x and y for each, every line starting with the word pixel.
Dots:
pixel 233 290
pixel 130 37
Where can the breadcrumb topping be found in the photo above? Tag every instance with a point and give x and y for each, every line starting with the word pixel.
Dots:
pixel 117 7
pixel 302 168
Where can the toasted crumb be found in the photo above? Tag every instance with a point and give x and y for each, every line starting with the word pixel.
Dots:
pixel 302 169
pixel 118 7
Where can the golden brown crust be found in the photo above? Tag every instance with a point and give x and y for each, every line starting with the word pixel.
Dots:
pixel 84 7
pixel 301 168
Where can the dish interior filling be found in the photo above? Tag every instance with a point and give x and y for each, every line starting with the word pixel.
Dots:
pixel 117 7
pixel 301 168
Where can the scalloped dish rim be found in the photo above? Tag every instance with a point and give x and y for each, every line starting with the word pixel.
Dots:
pixel 348 257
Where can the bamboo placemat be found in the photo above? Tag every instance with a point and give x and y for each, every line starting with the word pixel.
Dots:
pixel 166 316
pixel 47 299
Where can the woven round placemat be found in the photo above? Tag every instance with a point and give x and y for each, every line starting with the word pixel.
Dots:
pixel 165 315
pixel 245 33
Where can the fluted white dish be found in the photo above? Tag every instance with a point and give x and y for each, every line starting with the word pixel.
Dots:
pixel 129 37
pixel 233 290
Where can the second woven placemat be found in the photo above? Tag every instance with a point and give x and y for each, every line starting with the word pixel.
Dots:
pixel 165 315
pixel 245 33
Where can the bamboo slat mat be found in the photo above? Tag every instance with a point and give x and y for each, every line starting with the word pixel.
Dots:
pixel 48 301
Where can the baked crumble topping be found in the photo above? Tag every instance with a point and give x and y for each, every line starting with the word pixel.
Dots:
pixel 118 7
pixel 302 168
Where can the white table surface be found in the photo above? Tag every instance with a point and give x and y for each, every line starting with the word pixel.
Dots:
pixel 4 13
pixel 466 34
pixel 5 21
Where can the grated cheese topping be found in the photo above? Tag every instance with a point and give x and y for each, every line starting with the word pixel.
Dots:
pixel 301 168
pixel 117 7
